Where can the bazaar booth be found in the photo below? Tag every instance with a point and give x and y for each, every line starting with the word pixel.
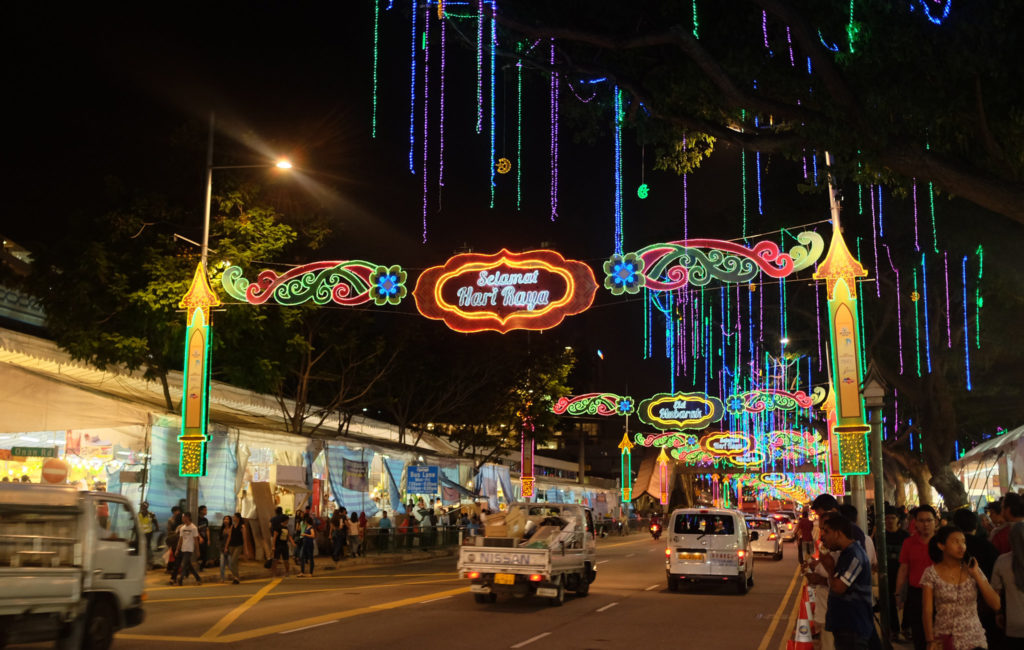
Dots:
pixel 994 467
pixel 111 459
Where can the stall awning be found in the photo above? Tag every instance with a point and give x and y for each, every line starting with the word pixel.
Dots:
pixel 1003 443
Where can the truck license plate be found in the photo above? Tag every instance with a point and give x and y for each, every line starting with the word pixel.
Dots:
pixel 504 578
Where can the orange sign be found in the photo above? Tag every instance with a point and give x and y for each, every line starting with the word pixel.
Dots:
pixel 505 291
pixel 55 471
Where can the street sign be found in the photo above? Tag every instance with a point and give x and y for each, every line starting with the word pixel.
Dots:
pixel 421 479
pixel 34 452
pixel 54 471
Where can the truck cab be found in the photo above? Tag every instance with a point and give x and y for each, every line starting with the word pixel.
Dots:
pixel 72 568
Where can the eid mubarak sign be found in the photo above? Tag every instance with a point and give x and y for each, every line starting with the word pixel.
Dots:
pixel 680 410
pixel 534 290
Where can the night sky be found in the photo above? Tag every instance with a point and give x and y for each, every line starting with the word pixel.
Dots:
pixel 94 91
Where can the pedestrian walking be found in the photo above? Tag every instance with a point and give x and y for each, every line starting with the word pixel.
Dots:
pixel 353 535
pixel 849 618
pixel 203 524
pixel 363 523
pixel 383 530
pixel 188 542
pixel 894 538
pixel 233 540
pixel 805 536
pixel 149 527
pixel 949 594
pixel 307 543
pixel 339 534
pixel 1008 578
pixel 1012 512
pixel 914 559
pixel 282 540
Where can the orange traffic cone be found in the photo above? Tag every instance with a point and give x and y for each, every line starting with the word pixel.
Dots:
pixel 802 639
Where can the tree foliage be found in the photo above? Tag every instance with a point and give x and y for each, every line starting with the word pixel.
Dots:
pixel 893 95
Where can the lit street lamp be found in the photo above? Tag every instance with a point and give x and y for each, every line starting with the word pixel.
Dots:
pixel 195 384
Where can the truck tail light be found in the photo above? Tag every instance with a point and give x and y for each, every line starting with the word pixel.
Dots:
pixel 536 577
pixel 668 552
pixel 473 575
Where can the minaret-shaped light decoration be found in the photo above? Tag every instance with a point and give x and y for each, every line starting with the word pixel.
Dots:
pixel 196 302
pixel 663 476
pixel 836 481
pixel 840 270
pixel 526 441
pixel 627 469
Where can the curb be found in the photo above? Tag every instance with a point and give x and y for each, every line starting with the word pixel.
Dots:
pixel 252 570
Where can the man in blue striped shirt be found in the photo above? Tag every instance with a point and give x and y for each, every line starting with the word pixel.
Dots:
pixel 849 616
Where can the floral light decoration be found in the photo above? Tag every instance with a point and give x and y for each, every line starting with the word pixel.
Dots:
pixel 624 274
pixel 388 285
pixel 758 401
pixel 673 265
pixel 604 404
pixel 346 283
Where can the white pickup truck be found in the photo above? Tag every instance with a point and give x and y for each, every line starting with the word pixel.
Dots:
pixel 71 567
pixel 558 557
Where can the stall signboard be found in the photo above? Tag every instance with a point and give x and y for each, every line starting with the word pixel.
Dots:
pixel 505 291
pixel 680 410
pixel 34 452
pixel 354 475
pixel 5 454
pixel 421 479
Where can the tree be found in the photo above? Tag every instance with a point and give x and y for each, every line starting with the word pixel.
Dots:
pixel 891 94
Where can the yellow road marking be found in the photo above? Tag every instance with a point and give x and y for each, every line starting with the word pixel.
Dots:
pixel 283 627
pixel 164 637
pixel 302 591
pixel 790 623
pixel 231 616
pixel 782 605
pixel 632 541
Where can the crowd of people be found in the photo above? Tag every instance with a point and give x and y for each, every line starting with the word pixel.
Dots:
pixel 957 579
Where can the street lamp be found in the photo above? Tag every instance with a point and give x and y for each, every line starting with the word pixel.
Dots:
pixel 194 407
pixel 874 390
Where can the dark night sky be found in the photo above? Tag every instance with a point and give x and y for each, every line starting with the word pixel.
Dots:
pixel 93 91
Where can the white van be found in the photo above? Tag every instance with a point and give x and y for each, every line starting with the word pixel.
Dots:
pixel 711 545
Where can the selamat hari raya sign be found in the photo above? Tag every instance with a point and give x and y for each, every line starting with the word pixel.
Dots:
pixel 505 291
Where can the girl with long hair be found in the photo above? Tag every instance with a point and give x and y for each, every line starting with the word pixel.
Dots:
pixel 949 594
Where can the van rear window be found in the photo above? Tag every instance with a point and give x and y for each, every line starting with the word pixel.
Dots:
pixel 688 524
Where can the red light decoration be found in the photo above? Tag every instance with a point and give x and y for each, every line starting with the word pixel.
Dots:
pixel 505 291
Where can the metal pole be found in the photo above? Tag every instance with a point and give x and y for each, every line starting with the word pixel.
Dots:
pixel 192 484
pixel 880 550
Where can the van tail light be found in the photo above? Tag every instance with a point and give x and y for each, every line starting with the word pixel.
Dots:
pixel 668 552
pixel 773 536
pixel 740 555
pixel 536 577
pixel 473 575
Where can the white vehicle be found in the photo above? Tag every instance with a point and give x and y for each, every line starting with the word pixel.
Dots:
pixel 709 545
pixel 556 558
pixel 769 541
pixel 71 567
pixel 787 525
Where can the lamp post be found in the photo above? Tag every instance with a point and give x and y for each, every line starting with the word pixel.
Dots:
pixel 874 398
pixel 195 387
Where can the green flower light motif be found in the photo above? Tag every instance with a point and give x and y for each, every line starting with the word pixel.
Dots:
pixel 624 274
pixel 388 285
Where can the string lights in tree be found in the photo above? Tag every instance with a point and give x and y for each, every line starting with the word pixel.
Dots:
pixel 376 52
pixel 480 67
pixel 967 336
pixel 494 52
pixel 980 252
pixel 412 90
pixel 426 112
pixel 553 151
pixel 617 207
pixel 927 330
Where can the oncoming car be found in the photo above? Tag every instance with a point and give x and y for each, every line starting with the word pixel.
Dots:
pixel 709 545
pixel 768 541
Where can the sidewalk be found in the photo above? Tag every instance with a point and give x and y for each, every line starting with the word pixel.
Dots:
pixel 253 570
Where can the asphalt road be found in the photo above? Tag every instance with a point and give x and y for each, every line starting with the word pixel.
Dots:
pixel 425 605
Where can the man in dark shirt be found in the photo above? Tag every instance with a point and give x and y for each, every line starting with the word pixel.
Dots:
pixel 894 536
pixel 805 536
pixel 849 616
pixel 203 524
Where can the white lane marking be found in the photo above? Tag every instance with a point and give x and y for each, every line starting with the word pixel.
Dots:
pixel 531 640
pixel 608 606
pixel 653 587
pixel 299 629
pixel 433 600
pixel 652 550
pixel 602 561
pixel 631 555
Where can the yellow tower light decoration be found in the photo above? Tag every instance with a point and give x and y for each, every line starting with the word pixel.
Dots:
pixel 663 477
pixel 627 469
pixel 840 270
pixel 196 302
pixel 836 481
